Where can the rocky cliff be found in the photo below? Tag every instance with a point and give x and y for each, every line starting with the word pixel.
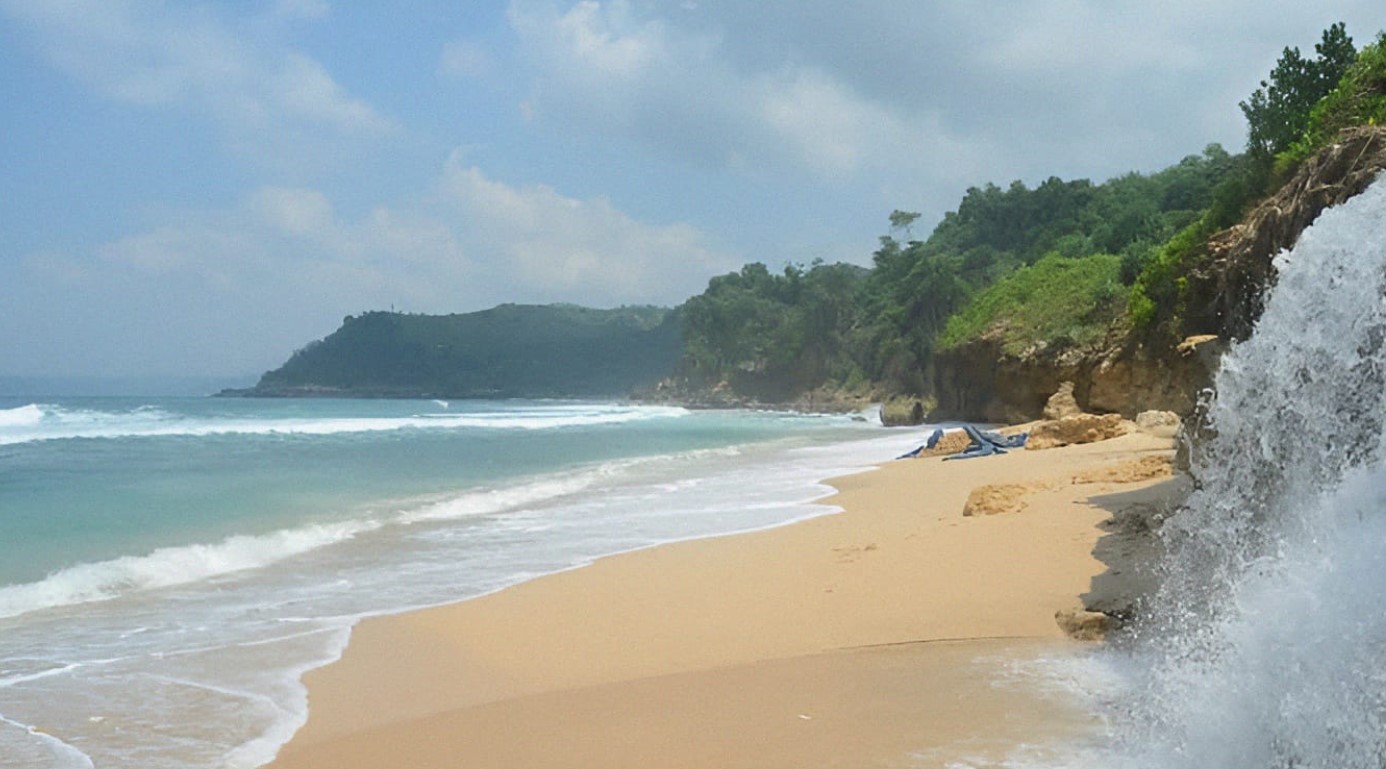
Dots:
pixel 1224 290
pixel 1222 298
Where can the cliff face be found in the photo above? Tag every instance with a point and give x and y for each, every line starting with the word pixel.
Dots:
pixel 1223 298
pixel 1225 290
pixel 978 383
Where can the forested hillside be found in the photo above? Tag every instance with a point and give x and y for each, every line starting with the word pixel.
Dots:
pixel 777 334
pixel 1070 275
pixel 507 351
pixel 1068 267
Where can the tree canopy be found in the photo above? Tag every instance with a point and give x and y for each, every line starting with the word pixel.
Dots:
pixel 1278 112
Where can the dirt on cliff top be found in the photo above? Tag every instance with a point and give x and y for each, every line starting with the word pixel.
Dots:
pixel 1223 300
pixel 1225 292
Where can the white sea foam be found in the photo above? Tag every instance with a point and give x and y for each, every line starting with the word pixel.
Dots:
pixel 169 566
pixel 67 756
pixel 24 416
pixel 37 422
pixel 497 500
pixel 1265 643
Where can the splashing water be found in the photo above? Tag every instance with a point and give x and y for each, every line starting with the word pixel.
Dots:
pixel 1266 645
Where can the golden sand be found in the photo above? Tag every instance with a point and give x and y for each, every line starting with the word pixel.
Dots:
pixel 877 637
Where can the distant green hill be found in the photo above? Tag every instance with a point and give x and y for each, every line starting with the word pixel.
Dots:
pixel 510 351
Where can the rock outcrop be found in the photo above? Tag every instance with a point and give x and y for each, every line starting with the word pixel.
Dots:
pixel 1134 471
pixel 1080 428
pixel 1161 424
pixel 979 382
pixel 1062 403
pixel 1224 293
pixel 1222 300
pixel 1083 625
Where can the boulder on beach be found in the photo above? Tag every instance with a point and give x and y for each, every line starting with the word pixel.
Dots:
pixel 1084 625
pixel 1079 428
pixel 1161 424
pixel 997 498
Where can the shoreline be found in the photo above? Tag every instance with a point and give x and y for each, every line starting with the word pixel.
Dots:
pixel 693 653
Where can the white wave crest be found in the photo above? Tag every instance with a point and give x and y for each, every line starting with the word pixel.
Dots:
pixel 505 499
pixel 24 416
pixel 170 566
pixel 36 422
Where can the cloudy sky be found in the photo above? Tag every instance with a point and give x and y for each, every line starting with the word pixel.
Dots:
pixel 200 187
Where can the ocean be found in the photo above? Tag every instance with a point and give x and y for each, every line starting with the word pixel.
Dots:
pixel 171 566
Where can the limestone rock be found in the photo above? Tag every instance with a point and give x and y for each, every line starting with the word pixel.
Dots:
pixel 1083 625
pixel 1226 291
pixel 952 442
pixel 994 499
pixel 1081 428
pixel 1062 403
pixel 1162 424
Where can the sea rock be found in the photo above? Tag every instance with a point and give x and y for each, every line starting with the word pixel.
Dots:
pixel 1062 403
pixel 1161 424
pixel 1081 428
pixel 1084 625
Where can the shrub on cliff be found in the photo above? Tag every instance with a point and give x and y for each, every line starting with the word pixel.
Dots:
pixel 1358 99
pixel 1058 301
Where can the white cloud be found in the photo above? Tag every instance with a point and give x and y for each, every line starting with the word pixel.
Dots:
pixel 930 96
pixel 302 9
pixel 634 74
pixel 251 282
pixel 264 95
pixel 465 59
pixel 550 247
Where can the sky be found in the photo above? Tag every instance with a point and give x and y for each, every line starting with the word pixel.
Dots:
pixel 201 187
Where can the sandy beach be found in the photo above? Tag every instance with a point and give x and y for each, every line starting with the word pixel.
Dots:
pixel 882 636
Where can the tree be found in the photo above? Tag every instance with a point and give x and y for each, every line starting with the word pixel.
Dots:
pixel 903 221
pixel 1278 112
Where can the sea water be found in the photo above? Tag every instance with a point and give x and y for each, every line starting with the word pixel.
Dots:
pixel 170 567
pixel 1265 647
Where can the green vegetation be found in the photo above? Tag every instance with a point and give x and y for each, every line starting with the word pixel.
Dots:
pixel 1358 99
pixel 1298 111
pixel 1042 268
pixel 508 351
pixel 1065 264
pixel 771 336
pixel 1277 113
pixel 1057 302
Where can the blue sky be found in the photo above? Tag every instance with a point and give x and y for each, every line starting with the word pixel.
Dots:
pixel 201 187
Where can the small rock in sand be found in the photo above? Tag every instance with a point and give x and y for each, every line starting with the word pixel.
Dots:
pixel 1084 625
pixel 998 498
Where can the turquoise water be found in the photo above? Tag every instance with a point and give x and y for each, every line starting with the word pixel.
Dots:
pixel 171 566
